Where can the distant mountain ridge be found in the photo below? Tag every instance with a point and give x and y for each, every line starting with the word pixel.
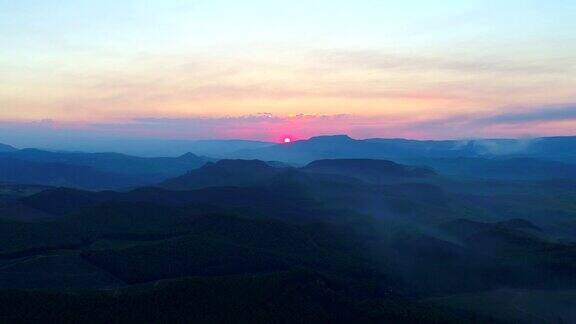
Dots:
pixel 561 149
pixel 419 237
pixel 92 170
pixel 504 159
pixel 376 171
pixel 7 148
pixel 506 168
pixel 114 162
pixel 244 173
pixel 61 174
pixel 363 240
pixel 223 173
pixel 150 147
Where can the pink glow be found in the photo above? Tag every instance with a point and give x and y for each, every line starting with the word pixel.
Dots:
pixel 279 128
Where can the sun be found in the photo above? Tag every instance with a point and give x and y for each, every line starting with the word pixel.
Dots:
pixel 287 140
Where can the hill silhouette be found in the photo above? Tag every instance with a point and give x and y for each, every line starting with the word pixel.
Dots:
pixel 91 170
pixel 7 148
pixel 375 171
pixel 375 236
pixel 224 173
pixel 559 149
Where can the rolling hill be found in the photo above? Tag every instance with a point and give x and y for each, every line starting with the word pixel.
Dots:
pixel 64 175
pixel 7 148
pixel 384 240
pixel 91 170
pixel 373 171
pixel 224 173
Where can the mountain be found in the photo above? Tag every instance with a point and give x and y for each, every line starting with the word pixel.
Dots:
pixel 224 173
pixel 223 148
pixel 342 146
pixel 305 151
pixel 338 240
pixel 506 168
pixel 115 162
pixel 7 148
pixel 61 174
pixel 150 147
pixel 246 173
pixel 374 171
pixel 9 192
pixel 560 148
pixel 464 229
pixel 92 170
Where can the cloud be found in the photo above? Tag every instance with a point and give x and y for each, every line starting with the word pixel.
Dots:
pixel 547 114
pixel 282 81
pixel 382 60
pixel 510 122
pixel 261 126
pixel 505 122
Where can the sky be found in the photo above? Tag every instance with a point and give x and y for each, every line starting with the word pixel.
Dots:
pixel 261 69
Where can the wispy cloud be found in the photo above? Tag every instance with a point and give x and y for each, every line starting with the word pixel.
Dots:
pixel 504 122
pixel 383 60
pixel 546 114
pixel 283 81
pixel 511 122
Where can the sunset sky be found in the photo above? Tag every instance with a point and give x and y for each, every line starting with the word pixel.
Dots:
pixel 258 69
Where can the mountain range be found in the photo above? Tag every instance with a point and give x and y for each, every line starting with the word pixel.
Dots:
pixel 91 170
pixel 437 239
pixel 535 159
pixel 342 146
pixel 6 148
pixel 372 232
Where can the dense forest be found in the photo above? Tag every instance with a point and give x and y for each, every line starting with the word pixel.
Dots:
pixel 434 237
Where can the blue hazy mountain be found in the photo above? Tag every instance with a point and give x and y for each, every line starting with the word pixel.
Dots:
pixel 244 173
pixel 510 168
pixel 561 149
pixel 62 174
pixel 373 171
pixel 427 237
pixel 7 148
pixel 224 173
pixel 91 170
pixel 149 147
